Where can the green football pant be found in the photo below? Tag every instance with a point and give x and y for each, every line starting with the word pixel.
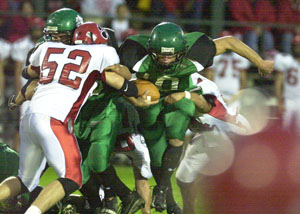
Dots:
pixel 101 144
pixel 162 122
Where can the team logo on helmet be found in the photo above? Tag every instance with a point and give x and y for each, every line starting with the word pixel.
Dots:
pixel 165 50
pixel 78 20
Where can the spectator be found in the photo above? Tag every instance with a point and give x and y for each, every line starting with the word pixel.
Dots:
pixel 99 7
pixel 127 33
pixel 20 24
pixel 254 11
pixel 53 5
pixel 4 54
pixel 121 23
pixel 288 12
pixel 21 47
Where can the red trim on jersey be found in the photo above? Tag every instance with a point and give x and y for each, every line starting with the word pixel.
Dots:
pixel 93 76
pixel 103 77
pixel 220 112
pixel 71 151
pixel 37 69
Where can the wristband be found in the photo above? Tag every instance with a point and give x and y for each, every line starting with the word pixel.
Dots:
pixel 187 95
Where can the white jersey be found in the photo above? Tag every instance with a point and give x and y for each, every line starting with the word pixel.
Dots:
pixel 20 49
pixel 5 48
pixel 290 68
pixel 227 69
pixel 68 75
pixel 211 152
pixel 221 116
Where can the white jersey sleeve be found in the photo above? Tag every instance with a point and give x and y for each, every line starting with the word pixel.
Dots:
pixel 35 56
pixel 110 57
pixel 283 62
pixel 5 49
pixel 20 49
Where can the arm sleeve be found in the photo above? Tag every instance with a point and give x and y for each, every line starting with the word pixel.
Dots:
pixel 203 51
pixel 131 52
pixel 35 56
pixel 5 49
pixel 110 57
pixel 282 62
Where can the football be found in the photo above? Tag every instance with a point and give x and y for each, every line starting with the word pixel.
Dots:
pixel 144 85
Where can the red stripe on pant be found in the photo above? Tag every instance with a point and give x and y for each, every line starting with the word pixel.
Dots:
pixel 71 151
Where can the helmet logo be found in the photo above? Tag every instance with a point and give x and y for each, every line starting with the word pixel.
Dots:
pixel 167 50
pixel 51 28
pixel 78 20
pixel 91 35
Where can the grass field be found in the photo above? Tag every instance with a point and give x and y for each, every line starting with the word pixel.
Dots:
pixel 125 173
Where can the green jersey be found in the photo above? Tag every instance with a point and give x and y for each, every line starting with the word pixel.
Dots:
pixel 9 162
pixel 200 53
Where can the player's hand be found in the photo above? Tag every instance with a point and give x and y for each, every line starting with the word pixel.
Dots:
pixel 12 105
pixel 266 67
pixel 175 97
pixel 143 101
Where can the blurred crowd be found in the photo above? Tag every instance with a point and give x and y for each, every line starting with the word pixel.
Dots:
pixel 22 23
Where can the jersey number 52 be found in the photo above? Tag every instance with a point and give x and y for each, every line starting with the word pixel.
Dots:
pixel 67 68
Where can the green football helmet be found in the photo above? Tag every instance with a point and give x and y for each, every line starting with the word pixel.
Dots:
pixel 61 24
pixel 168 39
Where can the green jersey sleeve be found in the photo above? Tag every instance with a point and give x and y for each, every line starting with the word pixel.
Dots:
pixel 132 50
pixel 201 48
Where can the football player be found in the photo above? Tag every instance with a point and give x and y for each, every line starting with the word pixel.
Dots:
pixel 168 58
pixel 207 133
pixel 97 127
pixel 287 86
pixel 68 74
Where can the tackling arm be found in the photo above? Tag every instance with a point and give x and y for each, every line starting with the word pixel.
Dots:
pixel 201 103
pixel 230 43
pixel 119 69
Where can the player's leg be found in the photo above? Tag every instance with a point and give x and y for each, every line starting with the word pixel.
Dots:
pixel 143 188
pixel 62 153
pixel 141 167
pixel 102 140
pixel 195 158
pixel 149 115
pixel 32 162
pixel 176 118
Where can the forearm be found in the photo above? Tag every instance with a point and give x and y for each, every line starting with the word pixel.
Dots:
pixel 27 91
pixel 231 43
pixel 202 105
pixel 119 69
pixel 118 82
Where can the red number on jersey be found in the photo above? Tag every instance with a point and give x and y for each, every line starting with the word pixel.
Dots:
pixel 225 62
pixel 52 65
pixel 76 68
pixel 292 77
pixel 64 76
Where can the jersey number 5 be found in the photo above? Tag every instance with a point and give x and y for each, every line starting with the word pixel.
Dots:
pixel 67 68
